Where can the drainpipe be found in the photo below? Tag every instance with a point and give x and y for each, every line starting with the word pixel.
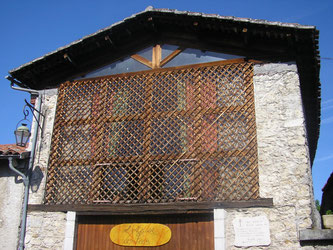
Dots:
pixel 26 179
pixel 11 166
pixel 25 201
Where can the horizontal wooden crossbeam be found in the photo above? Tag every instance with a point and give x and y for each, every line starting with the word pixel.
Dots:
pixel 179 207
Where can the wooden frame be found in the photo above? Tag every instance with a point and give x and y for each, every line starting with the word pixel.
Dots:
pixel 157 61
pixel 92 119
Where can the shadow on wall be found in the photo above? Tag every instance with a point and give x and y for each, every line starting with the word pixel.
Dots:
pixel 36 179
pixel 5 171
pixel 36 175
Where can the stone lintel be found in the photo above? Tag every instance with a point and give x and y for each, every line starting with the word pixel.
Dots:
pixel 316 234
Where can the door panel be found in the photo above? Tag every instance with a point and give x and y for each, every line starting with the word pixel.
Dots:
pixel 189 231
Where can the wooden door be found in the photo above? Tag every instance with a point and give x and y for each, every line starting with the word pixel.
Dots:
pixel 189 231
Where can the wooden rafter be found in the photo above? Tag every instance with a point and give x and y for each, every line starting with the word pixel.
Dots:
pixel 142 60
pixel 171 56
pixel 157 61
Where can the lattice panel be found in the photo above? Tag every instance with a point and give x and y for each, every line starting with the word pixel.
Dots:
pixel 172 135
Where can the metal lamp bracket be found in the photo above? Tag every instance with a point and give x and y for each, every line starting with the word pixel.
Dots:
pixel 26 112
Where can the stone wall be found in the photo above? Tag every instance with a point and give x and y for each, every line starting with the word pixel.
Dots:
pixel 283 159
pixel 38 181
pixel 284 167
pixel 44 230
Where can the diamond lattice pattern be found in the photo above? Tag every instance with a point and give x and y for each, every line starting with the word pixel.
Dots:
pixel 171 135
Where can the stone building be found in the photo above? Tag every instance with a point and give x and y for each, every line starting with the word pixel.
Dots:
pixel 203 123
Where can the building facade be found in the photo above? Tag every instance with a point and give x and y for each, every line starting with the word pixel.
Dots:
pixel 203 123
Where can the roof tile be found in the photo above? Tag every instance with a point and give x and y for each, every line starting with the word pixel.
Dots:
pixel 11 149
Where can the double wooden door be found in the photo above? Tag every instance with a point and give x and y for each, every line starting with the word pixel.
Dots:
pixel 189 231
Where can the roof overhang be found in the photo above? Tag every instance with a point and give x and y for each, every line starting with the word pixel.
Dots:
pixel 22 156
pixel 254 39
pixel 13 151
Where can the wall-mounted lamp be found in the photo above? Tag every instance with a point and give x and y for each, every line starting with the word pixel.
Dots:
pixel 22 135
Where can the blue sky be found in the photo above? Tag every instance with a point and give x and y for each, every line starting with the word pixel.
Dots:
pixel 30 29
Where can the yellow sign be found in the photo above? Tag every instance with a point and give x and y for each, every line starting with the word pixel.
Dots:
pixel 140 234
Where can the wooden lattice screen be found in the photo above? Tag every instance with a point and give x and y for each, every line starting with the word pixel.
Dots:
pixel 184 134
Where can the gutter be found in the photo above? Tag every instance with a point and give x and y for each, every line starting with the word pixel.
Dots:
pixel 26 178
pixel 14 81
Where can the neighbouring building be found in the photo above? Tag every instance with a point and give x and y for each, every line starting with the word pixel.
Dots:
pixel 202 123
pixel 12 190
pixel 327 197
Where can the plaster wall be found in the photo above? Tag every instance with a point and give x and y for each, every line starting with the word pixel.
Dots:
pixel 284 166
pixel 11 198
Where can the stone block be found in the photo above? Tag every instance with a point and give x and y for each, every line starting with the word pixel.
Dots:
pixel 219 214
pixel 219 231
pixel 219 244
pixel 71 216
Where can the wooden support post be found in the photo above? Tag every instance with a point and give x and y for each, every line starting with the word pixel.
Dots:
pixel 157 61
pixel 156 57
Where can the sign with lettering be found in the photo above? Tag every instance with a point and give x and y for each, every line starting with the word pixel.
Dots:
pixel 140 234
pixel 251 231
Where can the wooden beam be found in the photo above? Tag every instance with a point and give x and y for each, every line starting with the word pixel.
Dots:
pixel 148 212
pixel 166 157
pixel 173 207
pixel 142 60
pixel 157 56
pixel 171 56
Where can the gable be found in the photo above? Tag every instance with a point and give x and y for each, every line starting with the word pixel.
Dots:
pixel 171 56
pixel 249 38
pixel 254 39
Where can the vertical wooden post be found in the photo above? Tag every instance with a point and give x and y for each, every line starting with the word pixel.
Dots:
pixel 145 168
pixel 157 56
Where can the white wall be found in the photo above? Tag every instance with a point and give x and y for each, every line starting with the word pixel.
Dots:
pixel 11 199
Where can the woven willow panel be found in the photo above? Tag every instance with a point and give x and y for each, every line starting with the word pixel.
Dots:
pixel 177 135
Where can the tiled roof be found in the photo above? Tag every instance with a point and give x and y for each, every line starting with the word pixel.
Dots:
pixel 174 12
pixel 13 150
